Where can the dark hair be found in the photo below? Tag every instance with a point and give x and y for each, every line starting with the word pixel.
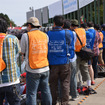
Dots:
pixel 97 26
pixel 66 24
pixel 90 24
pixel 3 26
pixel 103 26
pixel 58 20
pixel 84 25
pixel 32 26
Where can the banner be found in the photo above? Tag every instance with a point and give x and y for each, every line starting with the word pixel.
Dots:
pixel 38 15
pixel 45 15
pixel 55 9
pixel 83 3
pixel 70 6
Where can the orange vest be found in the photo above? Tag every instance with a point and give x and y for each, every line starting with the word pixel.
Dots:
pixel 2 63
pixel 101 35
pixel 38 49
pixel 82 35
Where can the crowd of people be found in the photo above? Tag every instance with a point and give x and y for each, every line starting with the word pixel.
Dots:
pixel 53 63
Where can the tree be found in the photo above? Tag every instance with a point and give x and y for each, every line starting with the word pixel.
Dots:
pixel 9 21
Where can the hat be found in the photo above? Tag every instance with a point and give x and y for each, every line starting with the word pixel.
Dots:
pixel 34 21
pixel 74 22
pixel 23 75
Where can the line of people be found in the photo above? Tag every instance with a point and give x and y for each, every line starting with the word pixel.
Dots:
pixel 52 61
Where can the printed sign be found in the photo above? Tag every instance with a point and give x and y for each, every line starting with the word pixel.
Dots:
pixel 56 46
pixel 55 9
pixel 69 6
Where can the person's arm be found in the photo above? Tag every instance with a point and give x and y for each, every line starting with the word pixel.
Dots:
pixel 23 45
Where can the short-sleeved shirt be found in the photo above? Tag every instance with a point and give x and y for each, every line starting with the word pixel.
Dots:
pixel 11 49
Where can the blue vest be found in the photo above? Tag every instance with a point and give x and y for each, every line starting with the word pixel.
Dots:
pixel 58 52
pixel 89 39
pixel 71 46
pixel 103 39
pixel 94 35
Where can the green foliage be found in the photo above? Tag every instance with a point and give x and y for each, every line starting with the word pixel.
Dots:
pixel 9 21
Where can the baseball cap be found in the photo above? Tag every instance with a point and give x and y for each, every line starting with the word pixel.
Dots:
pixel 23 75
pixel 34 21
pixel 74 22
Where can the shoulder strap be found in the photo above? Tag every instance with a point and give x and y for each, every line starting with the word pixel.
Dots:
pixel 79 39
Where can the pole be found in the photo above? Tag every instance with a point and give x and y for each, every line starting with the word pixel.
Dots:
pixel 87 13
pixel 62 8
pixel 104 11
pixel 78 12
pixel 98 12
pixel 84 13
pixel 91 12
pixel 95 11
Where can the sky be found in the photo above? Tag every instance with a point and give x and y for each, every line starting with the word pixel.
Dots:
pixel 16 9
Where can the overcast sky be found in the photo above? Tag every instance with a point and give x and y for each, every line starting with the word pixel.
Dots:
pixel 16 9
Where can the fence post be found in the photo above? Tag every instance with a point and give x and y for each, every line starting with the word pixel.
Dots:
pixel 91 12
pixel 87 13
pixel 104 11
pixel 98 11
pixel 95 12
pixel 78 12
pixel 84 13
pixel 74 15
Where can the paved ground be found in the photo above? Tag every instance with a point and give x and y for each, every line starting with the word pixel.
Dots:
pixel 94 99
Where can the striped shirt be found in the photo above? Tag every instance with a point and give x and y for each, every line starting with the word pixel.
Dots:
pixel 10 50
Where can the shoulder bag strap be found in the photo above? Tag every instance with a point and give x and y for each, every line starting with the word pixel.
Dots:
pixel 79 39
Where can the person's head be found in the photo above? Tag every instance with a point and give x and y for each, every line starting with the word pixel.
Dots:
pixel 103 27
pixel 66 24
pixel 84 25
pixel 90 24
pixel 3 26
pixel 58 20
pixel 97 27
pixel 74 24
pixel 32 22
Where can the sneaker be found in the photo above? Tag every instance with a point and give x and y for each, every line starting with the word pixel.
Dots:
pixel 92 83
pixel 76 98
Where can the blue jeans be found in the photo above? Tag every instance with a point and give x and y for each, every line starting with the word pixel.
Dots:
pixel 12 94
pixel 73 80
pixel 34 81
pixel 94 65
